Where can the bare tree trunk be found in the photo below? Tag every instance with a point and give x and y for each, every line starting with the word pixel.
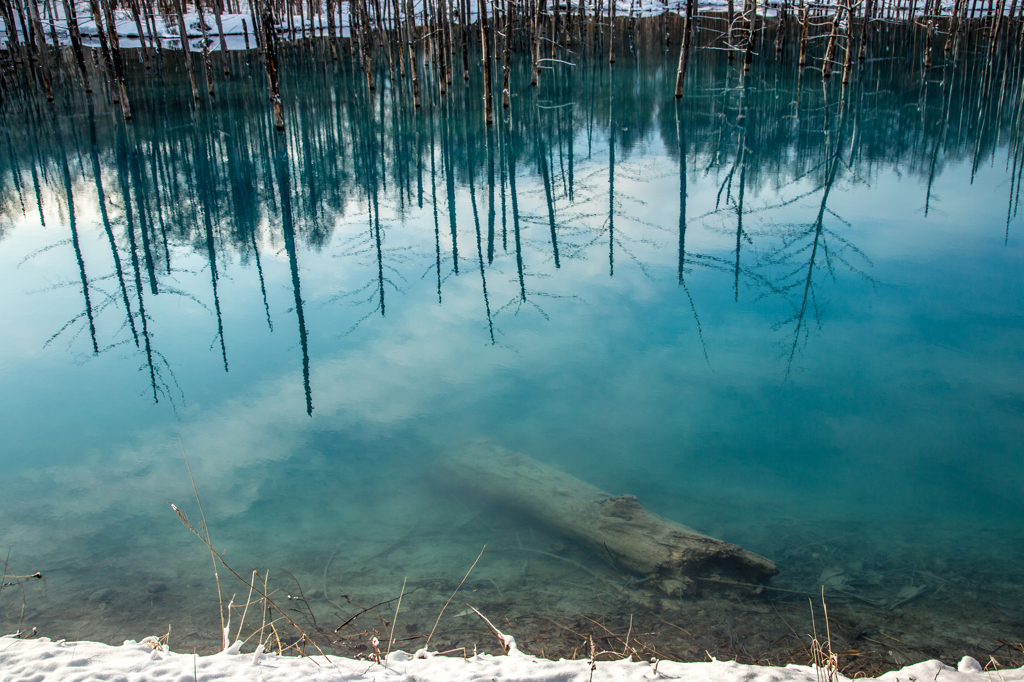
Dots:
pixel 848 56
pixel 256 31
pixel 104 52
pixel 414 67
pixel 44 64
pixel 218 9
pixel 485 56
pixel 997 24
pixel 15 46
pixel 728 36
pixel 367 45
pixel 803 35
pixel 611 30
pixel 869 8
pixel 505 57
pixel 133 5
pixel 154 38
pixel 780 29
pixel 186 50
pixel 270 52
pixel 76 42
pixel 830 51
pixel 26 27
pixel 684 48
pixel 751 21
pixel 535 76
pixel 115 54
pixel 48 7
pixel 207 70
pixel 929 36
pixel 464 20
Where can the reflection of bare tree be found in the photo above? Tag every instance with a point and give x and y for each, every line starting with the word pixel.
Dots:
pixel 681 275
pixel 288 231
pixel 161 376
pixel 207 184
pixel 369 247
pixel 809 246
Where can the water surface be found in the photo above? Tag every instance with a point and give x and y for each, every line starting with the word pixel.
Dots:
pixel 780 311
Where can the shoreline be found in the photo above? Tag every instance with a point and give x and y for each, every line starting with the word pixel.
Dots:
pixel 41 659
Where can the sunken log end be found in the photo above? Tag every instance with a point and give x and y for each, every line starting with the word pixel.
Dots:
pixel 669 555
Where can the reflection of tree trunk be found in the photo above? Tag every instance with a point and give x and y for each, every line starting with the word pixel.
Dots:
pixel 259 269
pixel 138 179
pixel 502 133
pixel 479 246
pixel 739 223
pixel 943 118
pixel 682 195
pixel 102 202
pixel 34 165
pixel 433 201
pixel 288 231
pixel 611 175
pixel 154 170
pixel 743 182
pixel 205 181
pixel 378 242
pixel 490 199
pixel 450 182
pixel 74 241
pixel 15 169
pixel 830 176
pixel 681 140
pixel 510 155
pixel 545 172
pixel 122 175
pixel 571 137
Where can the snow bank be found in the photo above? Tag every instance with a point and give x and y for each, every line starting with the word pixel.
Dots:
pixel 40 660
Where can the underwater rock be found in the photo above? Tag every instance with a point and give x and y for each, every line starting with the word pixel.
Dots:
pixel 664 553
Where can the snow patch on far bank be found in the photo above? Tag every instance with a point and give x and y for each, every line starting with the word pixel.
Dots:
pixel 41 660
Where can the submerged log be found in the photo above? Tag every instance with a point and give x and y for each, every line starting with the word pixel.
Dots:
pixel 666 554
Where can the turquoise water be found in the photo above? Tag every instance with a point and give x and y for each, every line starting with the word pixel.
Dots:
pixel 782 312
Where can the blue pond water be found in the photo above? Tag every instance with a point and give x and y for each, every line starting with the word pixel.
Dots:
pixel 784 313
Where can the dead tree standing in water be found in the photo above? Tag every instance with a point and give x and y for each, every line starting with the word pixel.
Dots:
pixel 76 42
pixel 270 52
pixel 218 10
pixel 207 71
pixel 684 49
pixel 44 64
pixel 485 56
pixel 186 49
pixel 115 57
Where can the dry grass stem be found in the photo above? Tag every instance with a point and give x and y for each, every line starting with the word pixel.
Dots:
pixel 427 643
pixel 391 637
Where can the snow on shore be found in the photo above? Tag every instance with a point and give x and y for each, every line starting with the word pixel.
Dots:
pixel 42 660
